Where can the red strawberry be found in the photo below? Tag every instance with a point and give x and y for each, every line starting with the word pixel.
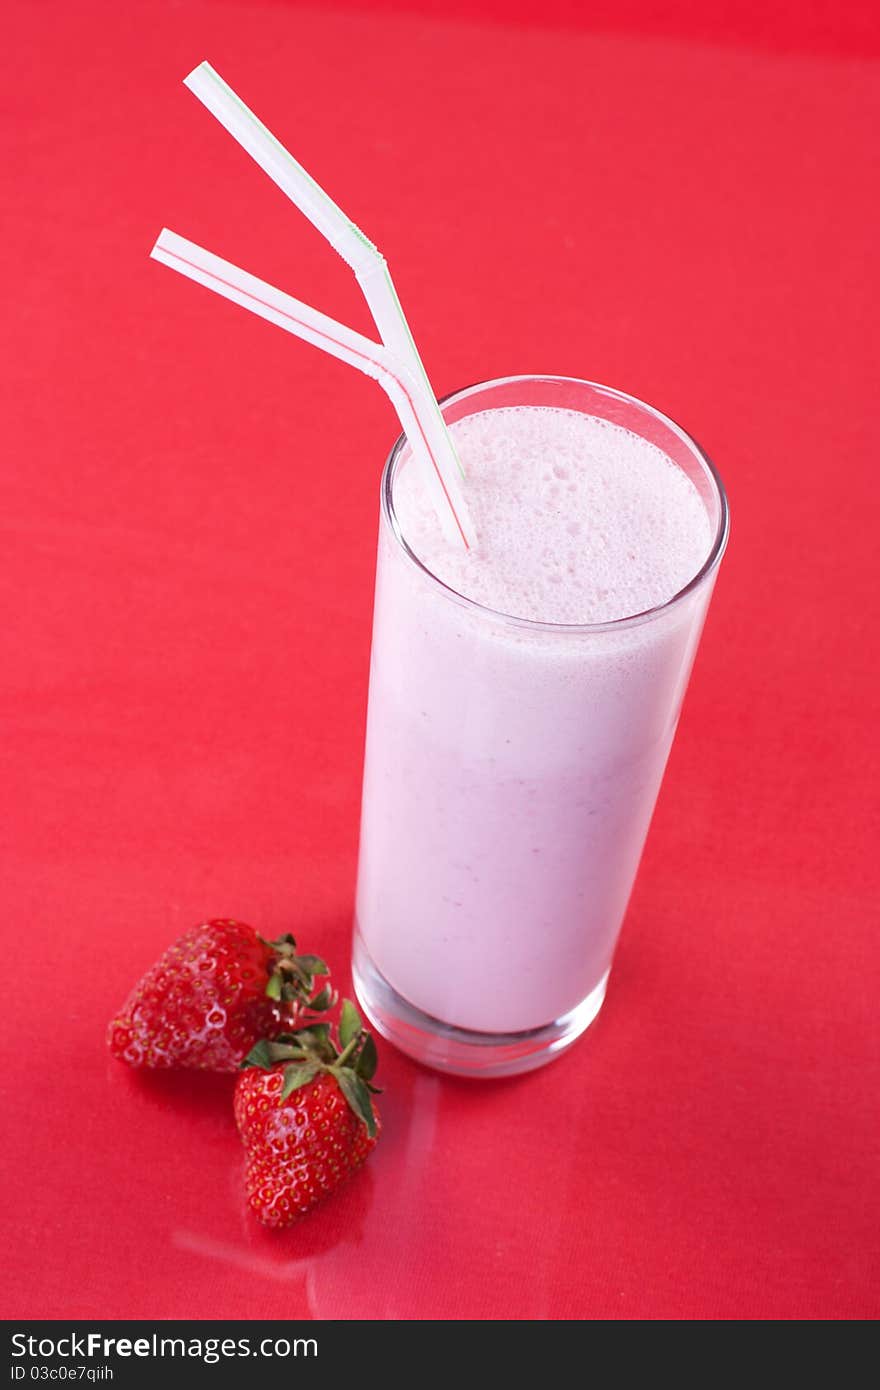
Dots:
pixel 212 995
pixel 305 1114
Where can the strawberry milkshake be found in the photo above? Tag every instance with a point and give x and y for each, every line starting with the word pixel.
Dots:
pixel 523 699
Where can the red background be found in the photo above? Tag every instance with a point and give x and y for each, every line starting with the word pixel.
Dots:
pixel 673 202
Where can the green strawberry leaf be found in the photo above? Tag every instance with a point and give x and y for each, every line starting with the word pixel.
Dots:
pixel 323 1000
pixel 268 1051
pixel 286 940
pixel 284 1052
pixel 368 1058
pixel 313 965
pixel 258 1056
pixel 273 986
pixel 349 1023
pixel 358 1097
pixel 295 1077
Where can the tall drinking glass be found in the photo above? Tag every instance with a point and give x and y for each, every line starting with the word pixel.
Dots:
pixel 511 772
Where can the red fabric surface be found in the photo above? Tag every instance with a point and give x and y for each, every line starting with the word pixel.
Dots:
pixel 188 526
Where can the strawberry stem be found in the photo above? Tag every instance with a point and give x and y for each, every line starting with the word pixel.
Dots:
pixel 346 1052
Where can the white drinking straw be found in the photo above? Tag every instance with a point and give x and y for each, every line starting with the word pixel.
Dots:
pixel 273 304
pixel 394 362
pixel 346 238
pixel 374 359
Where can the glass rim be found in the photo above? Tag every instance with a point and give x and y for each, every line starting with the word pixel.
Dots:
pixel 706 570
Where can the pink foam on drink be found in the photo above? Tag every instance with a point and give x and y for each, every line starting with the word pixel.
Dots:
pixel 579 520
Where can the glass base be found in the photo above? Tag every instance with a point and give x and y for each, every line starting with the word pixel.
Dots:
pixel 461 1050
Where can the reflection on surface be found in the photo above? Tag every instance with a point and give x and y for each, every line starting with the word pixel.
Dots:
pixel 379 1213
pixel 456 1177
